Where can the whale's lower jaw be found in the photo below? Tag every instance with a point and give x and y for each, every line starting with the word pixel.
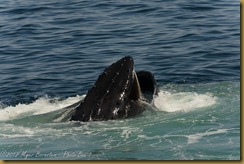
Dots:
pixel 116 94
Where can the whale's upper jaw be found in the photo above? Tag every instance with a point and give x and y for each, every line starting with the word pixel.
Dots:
pixel 111 93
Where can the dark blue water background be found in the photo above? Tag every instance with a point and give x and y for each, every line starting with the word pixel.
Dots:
pixel 60 47
pixel 57 49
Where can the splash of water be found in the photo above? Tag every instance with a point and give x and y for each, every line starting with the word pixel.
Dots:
pixel 40 106
pixel 183 101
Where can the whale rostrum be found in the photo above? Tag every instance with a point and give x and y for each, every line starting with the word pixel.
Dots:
pixel 119 92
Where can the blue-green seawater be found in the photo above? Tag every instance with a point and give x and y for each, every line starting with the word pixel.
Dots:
pixel 51 53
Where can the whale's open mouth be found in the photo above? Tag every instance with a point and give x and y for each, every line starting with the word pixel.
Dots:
pixel 108 98
pixel 114 94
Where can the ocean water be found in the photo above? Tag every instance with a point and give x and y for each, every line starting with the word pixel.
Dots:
pixel 53 51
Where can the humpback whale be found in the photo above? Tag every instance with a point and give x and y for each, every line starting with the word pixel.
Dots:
pixel 119 92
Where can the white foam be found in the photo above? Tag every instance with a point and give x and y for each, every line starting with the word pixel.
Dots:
pixel 183 101
pixel 12 131
pixel 193 138
pixel 40 106
pixel 166 101
pixel 18 131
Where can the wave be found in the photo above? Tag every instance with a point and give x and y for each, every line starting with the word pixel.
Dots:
pixel 183 101
pixel 40 106
pixel 165 101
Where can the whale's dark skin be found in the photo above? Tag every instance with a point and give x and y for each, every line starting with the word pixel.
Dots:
pixel 119 92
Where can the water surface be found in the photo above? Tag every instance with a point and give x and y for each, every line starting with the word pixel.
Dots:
pixel 52 52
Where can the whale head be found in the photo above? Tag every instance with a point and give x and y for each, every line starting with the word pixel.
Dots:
pixel 112 95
